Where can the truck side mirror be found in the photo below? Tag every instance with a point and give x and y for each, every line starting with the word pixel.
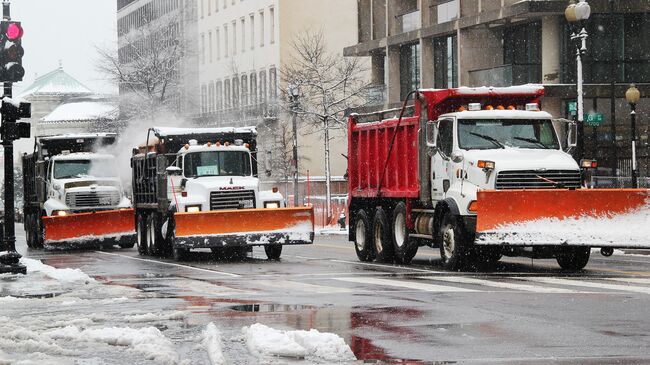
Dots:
pixel 572 135
pixel 267 163
pixel 174 171
pixel 432 133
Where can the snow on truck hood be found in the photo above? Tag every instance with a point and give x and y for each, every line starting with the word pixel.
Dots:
pixel 225 183
pixel 523 159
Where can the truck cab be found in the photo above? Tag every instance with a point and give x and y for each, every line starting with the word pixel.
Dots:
pixel 215 177
pixel 496 149
pixel 83 182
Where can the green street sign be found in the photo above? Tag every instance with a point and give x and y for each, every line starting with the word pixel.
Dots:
pixel 573 107
pixel 594 119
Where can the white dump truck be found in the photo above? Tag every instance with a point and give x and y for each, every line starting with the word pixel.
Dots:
pixel 199 188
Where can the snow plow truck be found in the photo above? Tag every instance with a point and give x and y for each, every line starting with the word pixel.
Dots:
pixel 73 196
pixel 480 173
pixel 199 188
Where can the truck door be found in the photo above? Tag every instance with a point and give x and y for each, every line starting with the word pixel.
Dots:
pixel 440 161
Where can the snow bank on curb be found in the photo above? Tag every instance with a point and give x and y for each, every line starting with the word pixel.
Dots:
pixel 151 317
pixel 65 275
pixel 148 341
pixel 212 343
pixel 265 341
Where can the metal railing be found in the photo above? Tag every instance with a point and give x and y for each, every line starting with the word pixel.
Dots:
pixel 618 182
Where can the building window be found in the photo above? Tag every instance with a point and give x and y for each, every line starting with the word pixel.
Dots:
pixel 217 36
pixel 522 50
pixel 216 6
pixel 253 92
pixel 244 90
pixel 409 68
pixel 262 28
pixel 204 97
pixel 219 101
pixel 202 48
pixel 235 92
pixel 211 98
pixel 262 87
pixel 618 50
pixel 226 94
pixel 272 24
pixel 252 18
pixel 445 62
pixel 202 1
pixel 225 40
pixel 210 46
pixel 273 84
pixel 447 10
pixel 243 34
pixel 209 7
pixel 234 37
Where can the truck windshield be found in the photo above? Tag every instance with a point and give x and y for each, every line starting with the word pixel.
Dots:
pixel 501 133
pixel 68 169
pixel 217 163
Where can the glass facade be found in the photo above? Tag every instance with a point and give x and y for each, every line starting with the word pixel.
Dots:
pixel 522 50
pixel 409 69
pixel 445 58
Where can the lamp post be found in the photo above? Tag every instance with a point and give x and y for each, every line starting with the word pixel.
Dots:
pixel 294 94
pixel 577 14
pixel 632 95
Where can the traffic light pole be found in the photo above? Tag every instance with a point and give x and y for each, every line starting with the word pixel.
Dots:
pixel 10 259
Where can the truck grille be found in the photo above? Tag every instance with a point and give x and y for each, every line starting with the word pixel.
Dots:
pixel 232 199
pixel 530 179
pixel 92 199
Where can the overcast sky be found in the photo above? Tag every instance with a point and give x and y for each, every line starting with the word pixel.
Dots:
pixel 66 30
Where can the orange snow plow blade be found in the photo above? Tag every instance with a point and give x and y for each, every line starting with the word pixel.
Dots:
pixel 587 217
pixel 94 226
pixel 255 226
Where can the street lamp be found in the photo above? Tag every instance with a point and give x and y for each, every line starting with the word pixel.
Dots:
pixel 293 91
pixel 632 95
pixel 577 14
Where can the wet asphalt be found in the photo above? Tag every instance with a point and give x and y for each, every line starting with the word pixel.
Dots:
pixel 522 311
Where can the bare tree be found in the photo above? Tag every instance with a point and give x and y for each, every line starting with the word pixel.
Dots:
pixel 147 67
pixel 330 84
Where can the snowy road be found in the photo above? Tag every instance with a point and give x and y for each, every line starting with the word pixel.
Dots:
pixel 143 310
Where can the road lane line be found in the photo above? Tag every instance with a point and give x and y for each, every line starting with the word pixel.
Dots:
pixel 589 284
pixel 503 285
pixel 389 266
pixel 205 287
pixel 407 285
pixel 311 288
pixel 631 280
pixel 170 264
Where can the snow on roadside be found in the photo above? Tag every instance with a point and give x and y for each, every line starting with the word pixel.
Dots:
pixel 213 344
pixel 265 341
pixel 64 275
pixel 148 341
pixel 153 317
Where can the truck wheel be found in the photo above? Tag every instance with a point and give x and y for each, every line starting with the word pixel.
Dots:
pixel 363 237
pixel 405 248
pixel 38 232
pixel 158 242
pixel 273 252
pixel 573 258
pixel 141 234
pixel 29 235
pixel 382 237
pixel 455 250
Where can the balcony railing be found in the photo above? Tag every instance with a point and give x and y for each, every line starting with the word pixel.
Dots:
pixel 506 75
pixel 244 115
pixel 375 95
pixel 409 21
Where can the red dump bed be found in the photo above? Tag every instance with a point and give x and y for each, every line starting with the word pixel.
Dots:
pixel 373 173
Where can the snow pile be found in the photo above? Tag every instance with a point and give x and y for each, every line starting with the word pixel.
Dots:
pixel 148 341
pixel 65 275
pixel 630 230
pixel 265 341
pixel 152 317
pixel 212 343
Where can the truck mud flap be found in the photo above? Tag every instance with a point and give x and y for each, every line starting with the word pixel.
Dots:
pixel 245 227
pixel 584 217
pixel 81 228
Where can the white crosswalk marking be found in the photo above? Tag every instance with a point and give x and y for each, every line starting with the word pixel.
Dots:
pixel 312 288
pixel 207 288
pixel 589 284
pixel 406 285
pixel 503 285
pixel 632 280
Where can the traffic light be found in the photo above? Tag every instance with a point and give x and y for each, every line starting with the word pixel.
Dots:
pixel 11 112
pixel 11 51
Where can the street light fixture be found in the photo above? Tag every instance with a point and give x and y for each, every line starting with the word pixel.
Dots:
pixel 577 14
pixel 632 95
pixel 293 91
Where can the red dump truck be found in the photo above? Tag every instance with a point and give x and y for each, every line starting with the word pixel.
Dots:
pixel 479 173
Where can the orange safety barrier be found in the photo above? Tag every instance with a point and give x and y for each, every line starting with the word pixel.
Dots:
pixel 501 207
pixel 103 224
pixel 244 221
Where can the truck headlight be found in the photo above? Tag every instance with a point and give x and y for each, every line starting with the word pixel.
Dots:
pixel 272 205
pixel 59 213
pixel 193 208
